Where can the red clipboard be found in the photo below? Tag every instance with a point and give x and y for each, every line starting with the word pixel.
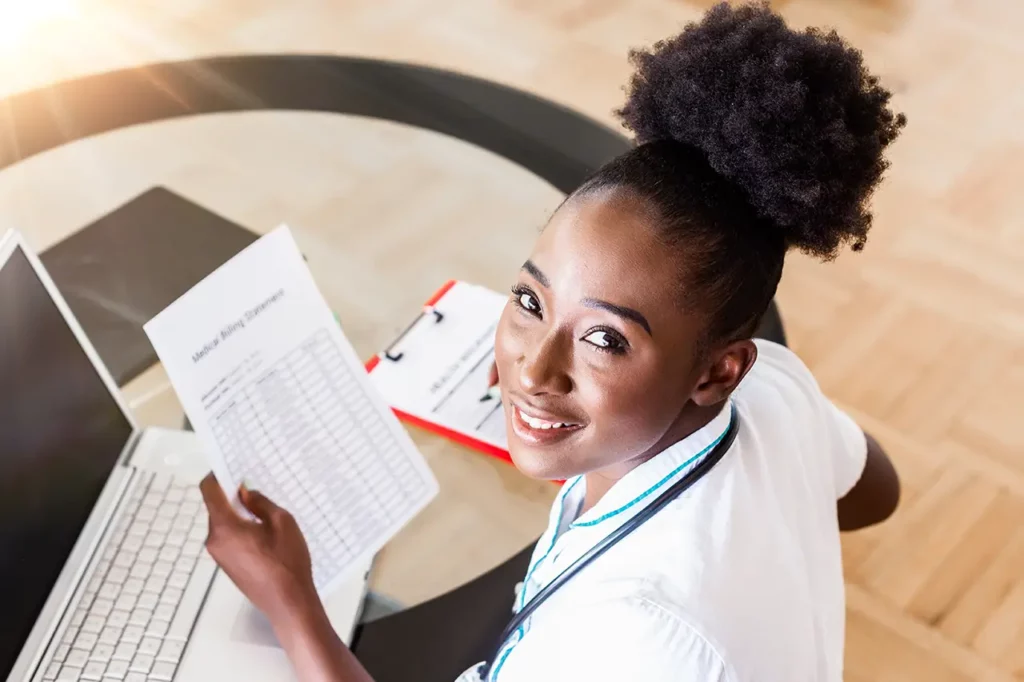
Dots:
pixel 430 307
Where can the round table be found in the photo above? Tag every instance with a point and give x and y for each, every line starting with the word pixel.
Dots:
pixel 394 179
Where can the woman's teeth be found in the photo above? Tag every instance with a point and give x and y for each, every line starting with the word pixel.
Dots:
pixel 535 423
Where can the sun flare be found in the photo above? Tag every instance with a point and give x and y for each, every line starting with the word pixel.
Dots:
pixel 22 20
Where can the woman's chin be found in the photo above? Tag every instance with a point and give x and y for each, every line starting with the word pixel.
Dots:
pixel 539 463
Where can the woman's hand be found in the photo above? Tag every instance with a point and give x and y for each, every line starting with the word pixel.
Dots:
pixel 269 562
pixel 492 377
pixel 267 559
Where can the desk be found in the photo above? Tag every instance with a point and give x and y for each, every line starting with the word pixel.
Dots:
pixel 395 178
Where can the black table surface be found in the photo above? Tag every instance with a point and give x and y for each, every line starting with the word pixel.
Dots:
pixel 119 271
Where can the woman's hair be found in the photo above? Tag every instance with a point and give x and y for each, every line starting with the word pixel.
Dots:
pixel 752 139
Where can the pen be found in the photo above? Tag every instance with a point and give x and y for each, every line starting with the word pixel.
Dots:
pixel 493 393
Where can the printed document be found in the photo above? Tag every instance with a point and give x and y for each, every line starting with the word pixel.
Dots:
pixel 281 402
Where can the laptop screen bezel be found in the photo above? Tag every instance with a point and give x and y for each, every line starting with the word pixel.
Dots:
pixel 64 588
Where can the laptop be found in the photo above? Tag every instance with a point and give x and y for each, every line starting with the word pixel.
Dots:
pixel 102 528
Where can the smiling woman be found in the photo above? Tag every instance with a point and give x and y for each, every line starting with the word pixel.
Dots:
pixel 708 476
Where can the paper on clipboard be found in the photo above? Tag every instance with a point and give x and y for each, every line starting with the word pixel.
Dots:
pixel 436 374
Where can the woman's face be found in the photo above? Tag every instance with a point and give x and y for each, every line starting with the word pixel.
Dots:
pixel 595 355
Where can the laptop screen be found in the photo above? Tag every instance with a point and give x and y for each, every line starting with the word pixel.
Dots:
pixel 61 433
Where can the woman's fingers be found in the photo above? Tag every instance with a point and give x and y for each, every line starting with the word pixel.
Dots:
pixel 221 512
pixel 260 505
pixel 217 504
pixel 492 378
pixel 225 525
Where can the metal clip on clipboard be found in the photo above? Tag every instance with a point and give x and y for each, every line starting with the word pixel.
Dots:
pixel 427 310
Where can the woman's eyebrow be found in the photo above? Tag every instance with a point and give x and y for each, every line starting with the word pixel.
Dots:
pixel 625 313
pixel 535 272
pixel 621 311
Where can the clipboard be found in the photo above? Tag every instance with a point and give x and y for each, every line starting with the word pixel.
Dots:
pixel 434 374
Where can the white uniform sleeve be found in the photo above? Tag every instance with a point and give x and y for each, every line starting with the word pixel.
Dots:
pixel 845 440
pixel 622 640
pixel 851 447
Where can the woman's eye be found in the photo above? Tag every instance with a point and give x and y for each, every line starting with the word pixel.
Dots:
pixel 529 302
pixel 526 300
pixel 605 340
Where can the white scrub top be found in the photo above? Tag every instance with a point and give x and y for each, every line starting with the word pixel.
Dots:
pixel 739 579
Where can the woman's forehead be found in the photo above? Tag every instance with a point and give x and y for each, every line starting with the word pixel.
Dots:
pixel 607 245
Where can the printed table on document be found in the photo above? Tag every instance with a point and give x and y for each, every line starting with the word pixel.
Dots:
pixel 300 434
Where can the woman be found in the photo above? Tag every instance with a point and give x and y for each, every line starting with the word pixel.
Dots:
pixel 625 357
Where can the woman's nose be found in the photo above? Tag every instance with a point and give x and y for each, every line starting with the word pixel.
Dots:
pixel 545 367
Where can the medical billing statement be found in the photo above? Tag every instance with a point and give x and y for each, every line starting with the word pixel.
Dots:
pixel 282 403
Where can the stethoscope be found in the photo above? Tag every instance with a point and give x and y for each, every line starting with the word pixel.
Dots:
pixel 674 491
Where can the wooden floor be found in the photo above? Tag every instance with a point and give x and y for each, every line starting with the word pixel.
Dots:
pixel 921 337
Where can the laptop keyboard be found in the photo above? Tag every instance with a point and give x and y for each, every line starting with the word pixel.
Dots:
pixel 145 593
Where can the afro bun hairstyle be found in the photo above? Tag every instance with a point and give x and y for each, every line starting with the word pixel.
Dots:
pixel 790 117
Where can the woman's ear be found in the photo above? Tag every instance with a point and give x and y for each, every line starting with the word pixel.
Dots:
pixel 728 366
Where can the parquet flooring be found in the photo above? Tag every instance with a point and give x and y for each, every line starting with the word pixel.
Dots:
pixel 920 337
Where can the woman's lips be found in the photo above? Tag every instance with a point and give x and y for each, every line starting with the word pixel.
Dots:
pixel 538 430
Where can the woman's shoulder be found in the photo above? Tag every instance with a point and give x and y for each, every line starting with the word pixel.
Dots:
pixel 780 387
pixel 780 364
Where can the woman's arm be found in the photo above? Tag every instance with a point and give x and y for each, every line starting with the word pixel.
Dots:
pixel 316 651
pixel 269 562
pixel 875 496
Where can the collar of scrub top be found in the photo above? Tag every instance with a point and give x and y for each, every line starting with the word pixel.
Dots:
pixel 624 500
pixel 645 482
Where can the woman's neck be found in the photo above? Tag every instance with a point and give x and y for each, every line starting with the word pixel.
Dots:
pixel 601 481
